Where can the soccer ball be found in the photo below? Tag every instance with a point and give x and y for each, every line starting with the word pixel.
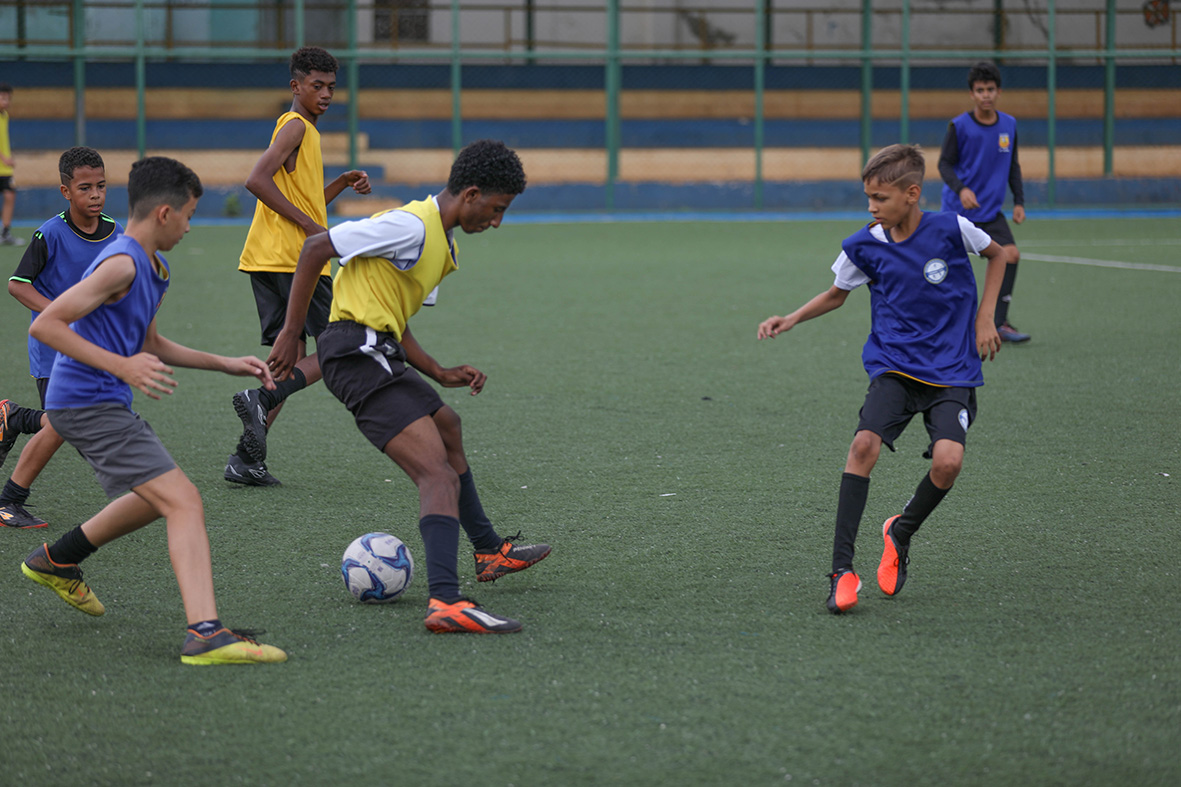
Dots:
pixel 377 568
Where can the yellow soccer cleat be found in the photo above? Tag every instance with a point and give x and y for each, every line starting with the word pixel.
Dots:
pixel 225 646
pixel 64 580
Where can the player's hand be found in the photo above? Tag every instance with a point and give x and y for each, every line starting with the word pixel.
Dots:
pixel 147 373
pixel 460 376
pixel 969 201
pixel 283 355
pixel 359 180
pixel 988 341
pixel 773 326
pixel 1018 214
pixel 249 366
pixel 313 229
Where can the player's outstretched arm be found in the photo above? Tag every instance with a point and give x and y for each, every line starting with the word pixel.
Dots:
pixel 448 377
pixel 988 341
pixel 832 298
pixel 358 179
pixel 174 354
pixel 317 250
pixel 261 181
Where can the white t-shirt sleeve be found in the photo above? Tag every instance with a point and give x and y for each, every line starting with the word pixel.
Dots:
pixel 976 240
pixel 397 236
pixel 848 275
pixel 432 297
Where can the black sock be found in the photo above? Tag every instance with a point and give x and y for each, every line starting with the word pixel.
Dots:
pixel 440 540
pixel 926 497
pixel 850 506
pixel 471 515
pixel 13 493
pixel 25 420
pixel 73 547
pixel 1006 294
pixel 206 627
pixel 272 399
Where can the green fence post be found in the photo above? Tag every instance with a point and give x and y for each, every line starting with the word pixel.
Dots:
pixel 141 81
pixel 1052 99
pixel 300 24
pixel 354 72
pixel 78 36
pixel 866 79
pixel 904 77
pixel 760 78
pixel 1109 93
pixel 613 80
pixel 456 85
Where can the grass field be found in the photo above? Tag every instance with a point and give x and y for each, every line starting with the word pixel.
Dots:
pixel 686 475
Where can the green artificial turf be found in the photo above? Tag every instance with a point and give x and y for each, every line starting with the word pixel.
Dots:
pixel 686 476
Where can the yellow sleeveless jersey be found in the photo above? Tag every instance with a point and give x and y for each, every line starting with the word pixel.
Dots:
pixel 5 146
pixel 371 291
pixel 273 243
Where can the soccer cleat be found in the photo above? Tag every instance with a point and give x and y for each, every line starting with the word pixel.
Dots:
pixel 1012 335
pixel 8 239
pixel 254 423
pixel 464 616
pixel 8 435
pixel 842 596
pixel 510 557
pixel 238 472
pixel 66 581
pixel 15 515
pixel 226 646
pixel 892 569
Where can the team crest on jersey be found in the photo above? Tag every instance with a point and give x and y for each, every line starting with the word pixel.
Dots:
pixel 964 419
pixel 935 270
pixel 1003 143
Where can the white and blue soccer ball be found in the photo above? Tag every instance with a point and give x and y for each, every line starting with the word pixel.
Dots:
pixel 377 568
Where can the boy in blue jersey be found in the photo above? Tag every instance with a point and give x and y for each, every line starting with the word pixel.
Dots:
pixel 104 329
pixel 54 261
pixel 923 354
pixel 391 264
pixel 978 159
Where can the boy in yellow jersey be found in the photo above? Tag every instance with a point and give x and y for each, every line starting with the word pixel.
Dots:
pixel 6 171
pixel 288 180
pixel 389 264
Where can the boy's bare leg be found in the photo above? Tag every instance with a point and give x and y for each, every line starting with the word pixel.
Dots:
pixel 419 451
pixel 35 455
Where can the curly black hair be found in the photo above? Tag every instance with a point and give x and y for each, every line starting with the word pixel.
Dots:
pixel 490 166
pixel 312 58
pixel 77 157
pixel 157 180
pixel 983 72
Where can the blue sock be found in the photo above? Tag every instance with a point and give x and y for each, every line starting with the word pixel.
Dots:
pixel 206 627
pixel 471 515
pixel 440 539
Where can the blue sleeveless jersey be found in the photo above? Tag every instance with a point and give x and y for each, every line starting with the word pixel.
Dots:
pixel 922 303
pixel 67 255
pixel 119 327
pixel 985 159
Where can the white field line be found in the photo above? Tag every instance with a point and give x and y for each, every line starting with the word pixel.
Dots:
pixel 1134 266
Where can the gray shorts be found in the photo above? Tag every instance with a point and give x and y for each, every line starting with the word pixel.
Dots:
pixel 122 448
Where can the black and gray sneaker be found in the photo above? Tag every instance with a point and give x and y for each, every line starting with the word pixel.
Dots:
pixel 15 515
pixel 239 472
pixel 8 434
pixel 254 423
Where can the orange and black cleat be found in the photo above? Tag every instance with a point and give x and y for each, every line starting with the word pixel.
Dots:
pixel 842 596
pixel 510 557
pixel 8 435
pixel 464 616
pixel 892 568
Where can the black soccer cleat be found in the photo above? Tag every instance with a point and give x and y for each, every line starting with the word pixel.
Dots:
pixel 249 408
pixel 255 474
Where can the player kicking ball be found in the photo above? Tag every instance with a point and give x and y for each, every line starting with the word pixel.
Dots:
pixel 390 264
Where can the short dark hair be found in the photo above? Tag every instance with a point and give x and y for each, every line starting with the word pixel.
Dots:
pixel 312 58
pixel 490 166
pixel 896 165
pixel 983 72
pixel 5 87
pixel 78 157
pixel 156 181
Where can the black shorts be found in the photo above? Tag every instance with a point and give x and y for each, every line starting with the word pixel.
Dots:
pixel 892 400
pixel 366 370
pixel 271 292
pixel 42 387
pixel 6 183
pixel 998 230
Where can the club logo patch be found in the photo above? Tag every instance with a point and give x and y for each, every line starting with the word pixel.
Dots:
pixel 935 270
pixel 1003 143
pixel 964 419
